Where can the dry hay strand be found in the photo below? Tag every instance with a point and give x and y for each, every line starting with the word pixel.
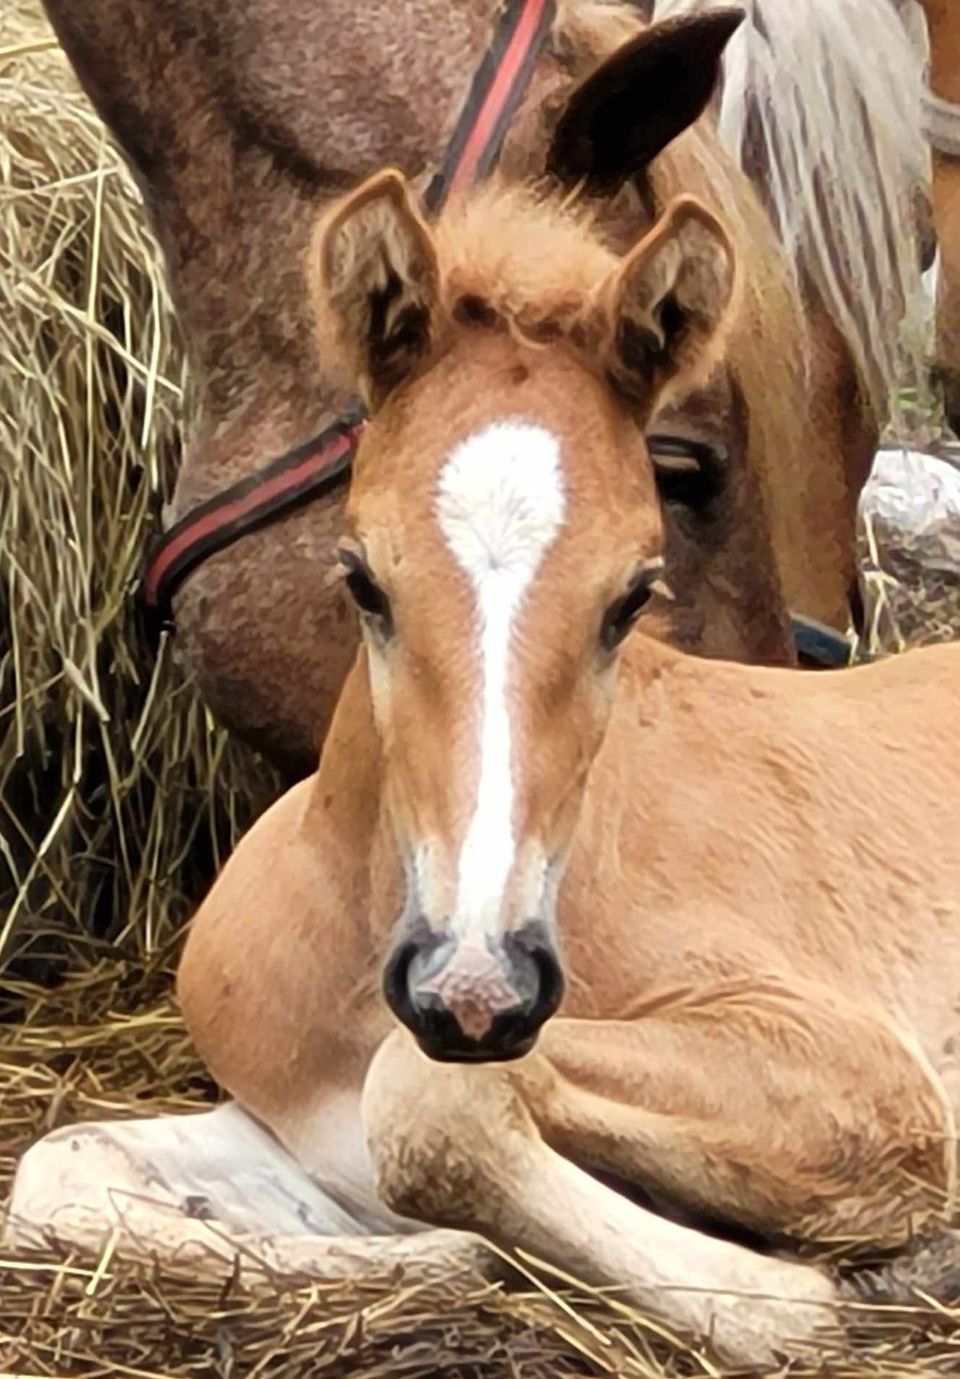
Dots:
pixel 118 795
pixel 80 1055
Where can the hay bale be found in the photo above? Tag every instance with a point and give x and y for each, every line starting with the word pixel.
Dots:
pixel 118 795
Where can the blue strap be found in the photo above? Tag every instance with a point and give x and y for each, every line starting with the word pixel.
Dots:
pixel 823 645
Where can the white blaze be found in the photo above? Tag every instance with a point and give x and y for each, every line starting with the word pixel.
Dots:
pixel 500 504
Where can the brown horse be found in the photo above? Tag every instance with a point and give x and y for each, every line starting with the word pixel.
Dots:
pixel 240 120
pixel 723 876
pixel 943 129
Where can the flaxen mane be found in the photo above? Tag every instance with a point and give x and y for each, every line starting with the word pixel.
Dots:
pixel 821 101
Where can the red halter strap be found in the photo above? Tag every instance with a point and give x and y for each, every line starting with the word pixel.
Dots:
pixel 323 463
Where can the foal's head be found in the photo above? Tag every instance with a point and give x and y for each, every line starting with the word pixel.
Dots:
pixel 503 535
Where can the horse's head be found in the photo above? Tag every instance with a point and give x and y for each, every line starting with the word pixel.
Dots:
pixel 503 535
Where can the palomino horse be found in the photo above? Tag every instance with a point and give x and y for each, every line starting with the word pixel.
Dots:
pixel 943 129
pixel 656 921
pixel 240 120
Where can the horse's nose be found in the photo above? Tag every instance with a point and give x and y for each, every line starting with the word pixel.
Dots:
pixel 470 999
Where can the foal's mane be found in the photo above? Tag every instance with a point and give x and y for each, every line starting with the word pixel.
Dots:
pixel 518 256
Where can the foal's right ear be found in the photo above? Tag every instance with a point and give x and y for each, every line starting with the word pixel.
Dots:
pixel 375 280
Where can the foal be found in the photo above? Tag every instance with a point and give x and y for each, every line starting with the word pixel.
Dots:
pixel 678 924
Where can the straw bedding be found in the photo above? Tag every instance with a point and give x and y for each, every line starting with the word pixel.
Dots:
pixel 108 1043
pixel 118 800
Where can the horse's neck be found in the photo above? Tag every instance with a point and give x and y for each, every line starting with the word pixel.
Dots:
pixel 673 714
pixel 668 771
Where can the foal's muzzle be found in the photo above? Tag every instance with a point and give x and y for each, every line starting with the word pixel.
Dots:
pixel 476 1000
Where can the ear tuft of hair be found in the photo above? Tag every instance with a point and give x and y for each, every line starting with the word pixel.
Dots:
pixel 375 282
pixel 669 304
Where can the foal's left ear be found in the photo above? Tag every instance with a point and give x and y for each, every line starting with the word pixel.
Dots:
pixel 375 279
pixel 665 308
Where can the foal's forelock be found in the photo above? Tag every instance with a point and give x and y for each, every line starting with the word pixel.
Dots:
pixel 500 505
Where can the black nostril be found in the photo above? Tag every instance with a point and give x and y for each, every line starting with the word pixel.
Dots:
pixel 533 943
pixel 418 941
pixel 436 1028
pixel 419 954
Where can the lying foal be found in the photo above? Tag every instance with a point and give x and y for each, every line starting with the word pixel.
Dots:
pixel 684 925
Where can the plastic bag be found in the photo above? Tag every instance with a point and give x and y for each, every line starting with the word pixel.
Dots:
pixel 909 536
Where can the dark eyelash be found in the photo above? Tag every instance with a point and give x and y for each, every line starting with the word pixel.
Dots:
pixel 365 591
pixel 623 613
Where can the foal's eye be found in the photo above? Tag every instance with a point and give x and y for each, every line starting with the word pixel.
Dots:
pixel 366 593
pixel 624 611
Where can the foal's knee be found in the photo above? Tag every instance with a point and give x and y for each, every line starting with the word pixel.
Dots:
pixel 437 1132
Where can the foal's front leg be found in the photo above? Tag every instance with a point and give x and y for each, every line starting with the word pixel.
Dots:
pixel 460 1146
pixel 773 1105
